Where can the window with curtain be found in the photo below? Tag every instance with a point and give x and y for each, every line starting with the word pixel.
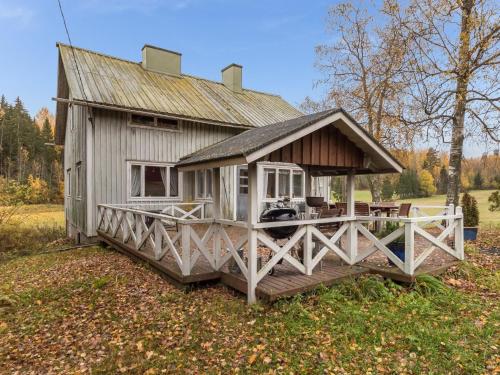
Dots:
pixel 153 181
pixel 204 184
pixel 281 182
pixel 270 183
pixel 284 183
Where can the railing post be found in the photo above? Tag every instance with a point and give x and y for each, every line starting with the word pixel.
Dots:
pixel 450 211
pixel 186 249
pixel 252 233
pixel 351 233
pixel 158 239
pixel 308 251
pixel 459 234
pixel 217 214
pixel 409 263
pixel 138 230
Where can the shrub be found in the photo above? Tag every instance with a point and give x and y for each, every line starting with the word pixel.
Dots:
pixel 470 210
pixel 494 200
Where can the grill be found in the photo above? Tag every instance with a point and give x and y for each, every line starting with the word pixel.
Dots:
pixel 280 214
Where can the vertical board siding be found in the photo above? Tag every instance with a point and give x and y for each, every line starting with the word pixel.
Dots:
pixel 324 147
pixel 116 143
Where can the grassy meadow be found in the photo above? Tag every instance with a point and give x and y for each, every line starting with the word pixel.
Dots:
pixel 486 217
pixel 93 310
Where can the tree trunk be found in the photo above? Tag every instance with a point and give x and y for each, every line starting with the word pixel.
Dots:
pixel 457 136
pixel 375 184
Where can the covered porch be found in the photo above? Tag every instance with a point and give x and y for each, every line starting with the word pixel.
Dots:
pixel 319 250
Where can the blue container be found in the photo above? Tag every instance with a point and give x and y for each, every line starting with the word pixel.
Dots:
pixel 470 233
pixel 398 248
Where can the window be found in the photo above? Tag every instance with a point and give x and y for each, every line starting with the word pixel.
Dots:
pixel 203 184
pixel 283 182
pixel 154 122
pixel 142 120
pixel 153 180
pixel 78 186
pixel 298 184
pixel 167 123
pixel 243 181
pixel 68 182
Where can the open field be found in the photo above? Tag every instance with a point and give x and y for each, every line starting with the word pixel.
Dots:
pixel 486 217
pixel 94 310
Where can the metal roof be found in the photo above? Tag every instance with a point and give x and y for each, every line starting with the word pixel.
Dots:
pixel 126 84
pixel 241 146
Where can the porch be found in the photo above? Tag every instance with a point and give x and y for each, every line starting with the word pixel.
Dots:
pixel 249 256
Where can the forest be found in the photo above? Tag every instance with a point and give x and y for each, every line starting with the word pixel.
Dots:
pixel 30 162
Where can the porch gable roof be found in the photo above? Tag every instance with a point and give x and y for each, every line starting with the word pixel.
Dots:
pixel 254 144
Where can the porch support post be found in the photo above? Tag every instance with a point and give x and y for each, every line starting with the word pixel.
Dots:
pixel 308 189
pixel 217 215
pixel 253 212
pixel 459 234
pixel 308 251
pixel 409 264
pixel 352 240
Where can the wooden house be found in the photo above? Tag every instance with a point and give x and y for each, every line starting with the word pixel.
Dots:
pixel 124 126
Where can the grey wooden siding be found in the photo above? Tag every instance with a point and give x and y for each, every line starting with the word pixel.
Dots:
pixel 74 155
pixel 116 143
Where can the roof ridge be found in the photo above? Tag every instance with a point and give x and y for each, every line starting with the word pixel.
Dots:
pixel 58 44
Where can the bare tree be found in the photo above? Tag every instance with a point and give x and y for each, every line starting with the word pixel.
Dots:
pixel 363 69
pixel 453 72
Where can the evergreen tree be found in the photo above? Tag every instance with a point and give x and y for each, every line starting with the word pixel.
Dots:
pixel 431 160
pixel 387 189
pixel 408 186
pixel 443 180
pixel 478 180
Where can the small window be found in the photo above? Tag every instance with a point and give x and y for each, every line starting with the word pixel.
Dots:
pixel 68 182
pixel 142 120
pixel 78 183
pixel 136 181
pixel 243 181
pixel 167 123
pixel 174 182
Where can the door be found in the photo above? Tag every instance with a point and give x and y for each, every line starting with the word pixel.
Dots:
pixel 242 193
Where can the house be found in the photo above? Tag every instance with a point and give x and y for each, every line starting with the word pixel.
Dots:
pixel 124 126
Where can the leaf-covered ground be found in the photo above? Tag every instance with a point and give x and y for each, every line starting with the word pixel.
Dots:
pixel 94 310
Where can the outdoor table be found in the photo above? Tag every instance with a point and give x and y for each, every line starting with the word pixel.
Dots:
pixel 382 207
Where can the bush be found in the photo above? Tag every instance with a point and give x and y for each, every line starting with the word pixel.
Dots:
pixel 494 200
pixel 470 210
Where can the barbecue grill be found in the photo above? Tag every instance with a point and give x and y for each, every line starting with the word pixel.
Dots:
pixel 280 214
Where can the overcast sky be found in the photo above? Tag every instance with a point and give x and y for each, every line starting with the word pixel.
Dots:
pixel 273 40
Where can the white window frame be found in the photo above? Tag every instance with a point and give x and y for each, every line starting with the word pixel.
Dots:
pixel 155 120
pixel 204 196
pixel 276 167
pixel 143 165
pixel 78 182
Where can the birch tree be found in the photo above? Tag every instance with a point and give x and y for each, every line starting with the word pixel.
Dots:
pixel 362 69
pixel 453 73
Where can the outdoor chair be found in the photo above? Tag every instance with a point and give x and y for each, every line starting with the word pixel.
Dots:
pixel 326 212
pixel 402 211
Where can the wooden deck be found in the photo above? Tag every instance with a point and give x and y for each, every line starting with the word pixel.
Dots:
pixel 201 271
pixel 288 281
pixel 394 273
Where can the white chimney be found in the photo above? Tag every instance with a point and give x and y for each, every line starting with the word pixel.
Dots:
pixel 232 77
pixel 161 60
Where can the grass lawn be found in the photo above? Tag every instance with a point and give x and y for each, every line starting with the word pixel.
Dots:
pixel 486 217
pixel 36 214
pixel 94 310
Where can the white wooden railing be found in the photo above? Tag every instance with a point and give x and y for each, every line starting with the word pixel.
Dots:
pixel 172 234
